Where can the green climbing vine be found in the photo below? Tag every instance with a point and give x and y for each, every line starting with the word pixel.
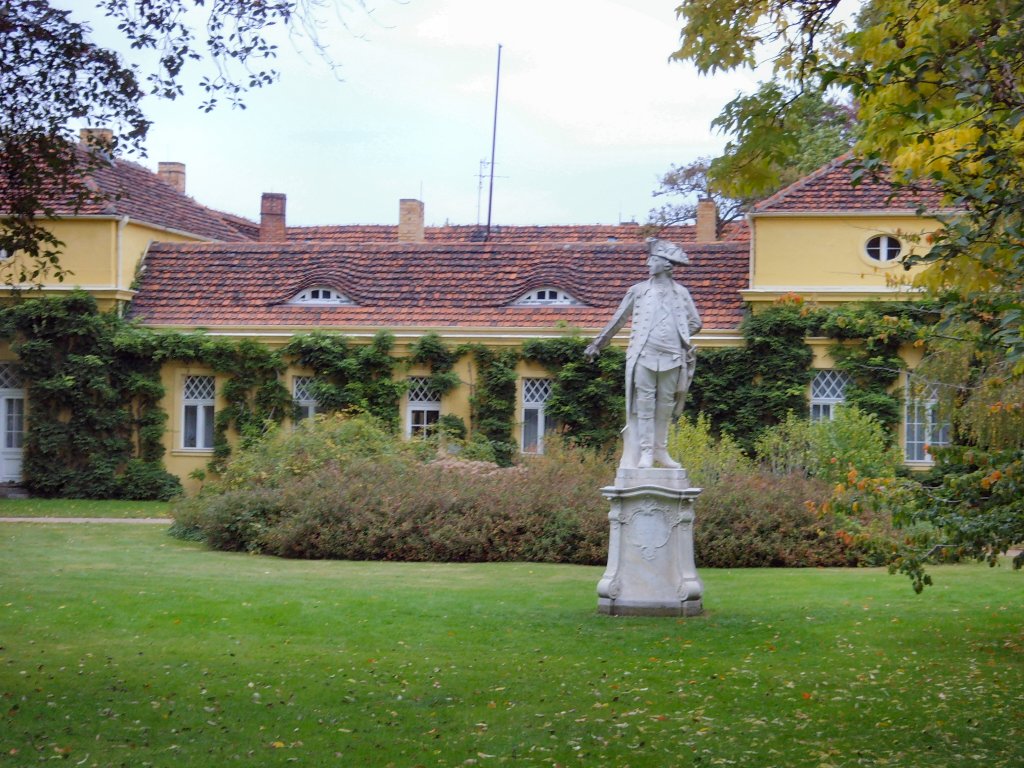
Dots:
pixel 493 401
pixel 587 398
pixel 743 390
pixel 869 338
pixel 351 377
pixel 432 351
pixel 253 392
pixel 95 427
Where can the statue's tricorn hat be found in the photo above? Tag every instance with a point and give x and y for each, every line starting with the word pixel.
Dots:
pixel 667 250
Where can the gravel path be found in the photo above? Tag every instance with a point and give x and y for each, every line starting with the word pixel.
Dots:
pixel 124 520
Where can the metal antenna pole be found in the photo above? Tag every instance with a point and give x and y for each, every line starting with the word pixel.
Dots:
pixel 480 176
pixel 494 140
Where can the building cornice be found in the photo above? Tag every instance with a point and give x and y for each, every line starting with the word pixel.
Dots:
pixel 829 293
pixel 140 222
pixel 854 214
pixel 497 336
pixel 98 291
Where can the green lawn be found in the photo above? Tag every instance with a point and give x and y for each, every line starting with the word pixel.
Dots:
pixel 82 508
pixel 124 647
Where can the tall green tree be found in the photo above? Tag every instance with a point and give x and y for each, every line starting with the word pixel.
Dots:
pixel 940 101
pixel 804 131
pixel 54 78
pixel 939 89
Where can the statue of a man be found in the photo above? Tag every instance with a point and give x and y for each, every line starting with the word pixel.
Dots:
pixel 660 359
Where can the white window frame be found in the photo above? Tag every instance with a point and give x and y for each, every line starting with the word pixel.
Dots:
pixel 922 425
pixel 548 297
pixel 305 403
pixel 12 413
pixel 828 389
pixel 422 409
pixel 198 397
pixel 534 420
pixel 14 420
pixel 883 245
pixel 320 295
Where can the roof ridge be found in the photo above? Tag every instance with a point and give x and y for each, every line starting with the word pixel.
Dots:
pixel 130 188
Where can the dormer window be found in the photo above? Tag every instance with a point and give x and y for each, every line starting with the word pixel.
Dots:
pixel 547 297
pixel 320 296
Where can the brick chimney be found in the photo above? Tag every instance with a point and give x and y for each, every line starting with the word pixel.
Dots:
pixel 173 174
pixel 707 221
pixel 102 137
pixel 272 219
pixel 410 221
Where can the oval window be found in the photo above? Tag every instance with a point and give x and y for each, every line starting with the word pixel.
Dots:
pixel 884 249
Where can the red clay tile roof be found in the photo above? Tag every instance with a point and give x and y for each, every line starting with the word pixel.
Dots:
pixel 736 231
pixel 137 192
pixel 206 285
pixel 249 230
pixel 830 188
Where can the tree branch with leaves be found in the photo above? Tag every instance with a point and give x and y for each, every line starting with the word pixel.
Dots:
pixel 939 89
pixel 54 79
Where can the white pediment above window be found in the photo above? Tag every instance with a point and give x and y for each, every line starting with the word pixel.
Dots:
pixel 320 296
pixel 547 297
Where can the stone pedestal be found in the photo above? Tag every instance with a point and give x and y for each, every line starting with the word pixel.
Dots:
pixel 650 570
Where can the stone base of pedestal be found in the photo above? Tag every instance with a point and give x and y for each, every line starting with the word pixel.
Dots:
pixel 651 571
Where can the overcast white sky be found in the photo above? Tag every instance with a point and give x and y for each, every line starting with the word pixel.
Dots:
pixel 591 112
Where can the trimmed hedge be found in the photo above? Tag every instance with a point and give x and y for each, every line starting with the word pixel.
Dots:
pixel 757 520
pixel 398 508
pixel 342 488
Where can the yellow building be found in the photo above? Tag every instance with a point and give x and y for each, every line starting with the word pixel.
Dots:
pixel 174 265
pixel 106 238
pixel 498 295
pixel 831 241
pixel 104 243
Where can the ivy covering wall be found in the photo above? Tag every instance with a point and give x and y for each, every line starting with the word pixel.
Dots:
pixel 96 427
pixel 351 377
pixel 869 338
pixel 587 397
pixel 492 401
pixel 744 390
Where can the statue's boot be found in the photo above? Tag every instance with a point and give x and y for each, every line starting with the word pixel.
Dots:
pixel 661 422
pixel 646 442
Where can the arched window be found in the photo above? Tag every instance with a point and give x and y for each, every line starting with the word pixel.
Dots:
pixel 424 408
pixel 198 403
pixel 303 397
pixel 547 297
pixel 320 295
pixel 535 419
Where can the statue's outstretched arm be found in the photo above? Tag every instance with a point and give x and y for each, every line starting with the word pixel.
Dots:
pixel 618 320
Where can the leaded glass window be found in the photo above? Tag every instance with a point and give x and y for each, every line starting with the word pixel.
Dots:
pixel 198 397
pixel 535 421
pixel 828 389
pixel 424 407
